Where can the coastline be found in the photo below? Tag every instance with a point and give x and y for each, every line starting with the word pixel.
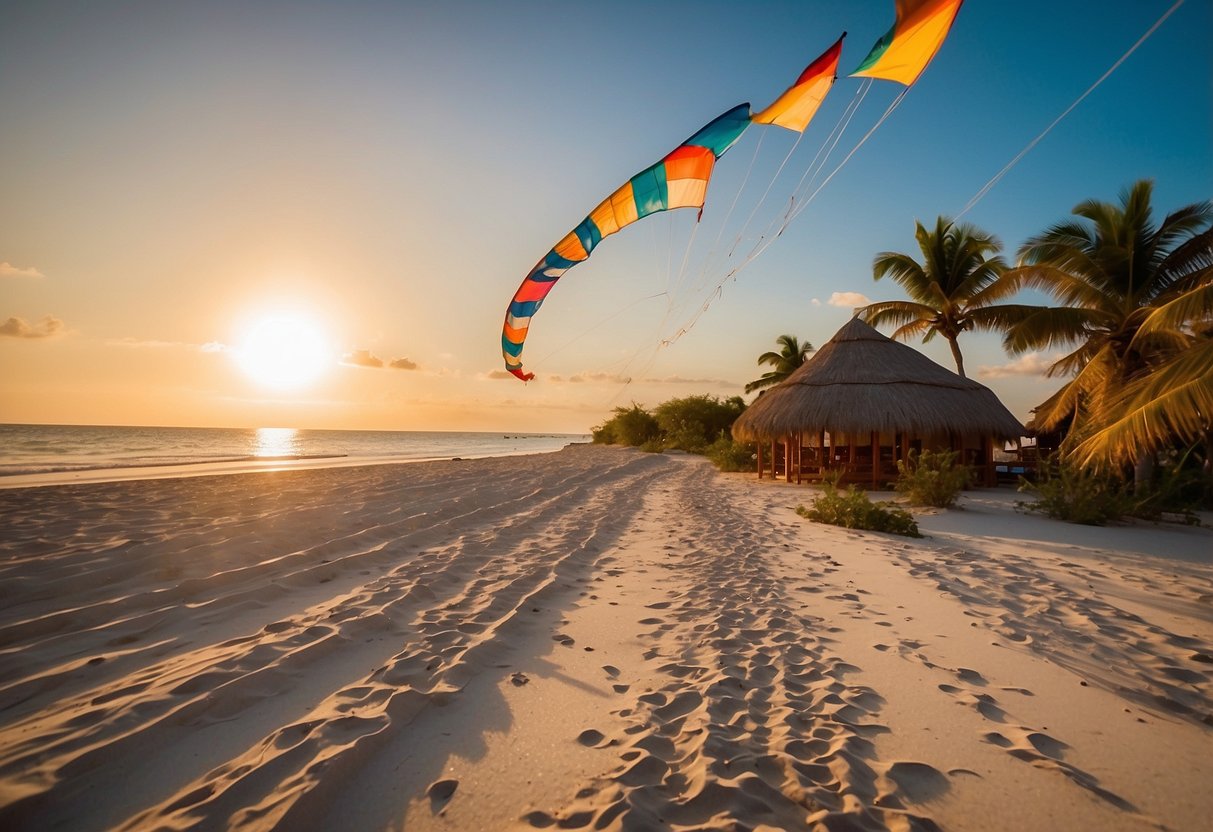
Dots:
pixel 241 465
pixel 593 638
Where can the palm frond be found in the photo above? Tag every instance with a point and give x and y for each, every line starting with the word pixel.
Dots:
pixel 896 312
pixel 1051 326
pixel 1193 305
pixel 1067 288
pixel 1189 265
pixel 1173 403
pixel 1001 317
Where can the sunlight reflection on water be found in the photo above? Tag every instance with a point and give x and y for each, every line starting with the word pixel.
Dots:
pixel 276 442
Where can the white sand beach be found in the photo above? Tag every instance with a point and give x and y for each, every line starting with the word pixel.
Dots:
pixel 591 639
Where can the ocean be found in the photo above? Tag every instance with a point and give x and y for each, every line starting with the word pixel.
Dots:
pixel 68 449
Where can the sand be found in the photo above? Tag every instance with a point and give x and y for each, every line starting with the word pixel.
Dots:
pixel 591 639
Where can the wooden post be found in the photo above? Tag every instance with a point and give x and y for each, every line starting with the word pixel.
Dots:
pixel 759 446
pixel 821 450
pixel 787 458
pixel 799 455
pixel 988 446
pixel 774 472
pixel 875 458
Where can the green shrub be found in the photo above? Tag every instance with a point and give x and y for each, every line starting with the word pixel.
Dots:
pixel 852 509
pixel 693 423
pixel 731 455
pixel 932 478
pixel 652 446
pixel 1066 492
pixel 629 426
pixel 1179 488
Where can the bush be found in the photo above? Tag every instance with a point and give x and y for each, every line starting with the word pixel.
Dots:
pixel 652 446
pixel 932 478
pixel 852 509
pixel 695 422
pixel 731 455
pixel 1066 492
pixel 629 426
pixel 1179 488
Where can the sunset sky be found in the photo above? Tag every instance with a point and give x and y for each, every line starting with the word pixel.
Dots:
pixel 180 180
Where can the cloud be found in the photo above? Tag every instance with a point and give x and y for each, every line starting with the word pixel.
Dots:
pixel 361 358
pixel 402 364
pixel 849 299
pixel 815 302
pixel 1028 364
pixel 15 327
pixel 9 270
pixel 157 344
pixel 496 374
pixel 600 378
pixel 715 382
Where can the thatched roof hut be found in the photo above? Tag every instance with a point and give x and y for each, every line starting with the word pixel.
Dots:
pixel 877 392
pixel 863 381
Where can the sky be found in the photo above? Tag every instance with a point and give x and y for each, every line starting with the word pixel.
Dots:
pixel 383 175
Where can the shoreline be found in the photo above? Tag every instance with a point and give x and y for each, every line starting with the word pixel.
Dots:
pixel 244 465
pixel 594 638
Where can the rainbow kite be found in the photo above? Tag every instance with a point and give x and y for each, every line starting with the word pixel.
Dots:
pixel 904 52
pixel 680 180
pixel 797 106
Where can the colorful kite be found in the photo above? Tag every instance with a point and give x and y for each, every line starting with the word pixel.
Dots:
pixel 680 180
pixel 797 106
pixel 904 52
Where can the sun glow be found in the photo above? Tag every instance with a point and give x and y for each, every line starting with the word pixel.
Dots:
pixel 285 352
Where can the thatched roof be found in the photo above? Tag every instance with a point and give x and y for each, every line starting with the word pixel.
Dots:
pixel 861 381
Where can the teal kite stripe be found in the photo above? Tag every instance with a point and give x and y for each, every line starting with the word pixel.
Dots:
pixel 878 49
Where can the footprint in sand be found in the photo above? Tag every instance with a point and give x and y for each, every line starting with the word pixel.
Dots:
pixel 590 738
pixel 611 670
pixel 440 793
pixel 918 782
pixel 964 674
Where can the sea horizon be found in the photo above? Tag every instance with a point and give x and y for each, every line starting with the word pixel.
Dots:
pixel 60 453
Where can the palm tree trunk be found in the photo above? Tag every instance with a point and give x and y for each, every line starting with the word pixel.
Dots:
pixel 960 362
pixel 1143 472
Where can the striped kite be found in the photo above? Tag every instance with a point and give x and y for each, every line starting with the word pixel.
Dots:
pixel 680 180
pixel 797 106
pixel 904 52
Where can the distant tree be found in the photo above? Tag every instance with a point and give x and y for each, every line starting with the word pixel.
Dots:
pixel 629 426
pixel 955 288
pixel 695 422
pixel 791 356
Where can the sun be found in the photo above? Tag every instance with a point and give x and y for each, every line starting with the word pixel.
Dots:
pixel 284 351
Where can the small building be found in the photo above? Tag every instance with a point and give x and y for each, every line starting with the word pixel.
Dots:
pixel 864 401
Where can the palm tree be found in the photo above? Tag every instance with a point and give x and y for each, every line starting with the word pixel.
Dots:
pixel 791 355
pixel 1174 401
pixel 1113 270
pixel 954 288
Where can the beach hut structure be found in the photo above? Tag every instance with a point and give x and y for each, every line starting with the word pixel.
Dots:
pixel 861 403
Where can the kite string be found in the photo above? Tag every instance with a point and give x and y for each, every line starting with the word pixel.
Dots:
pixel 836 135
pixel 539 362
pixel 811 173
pixel 896 101
pixel 985 189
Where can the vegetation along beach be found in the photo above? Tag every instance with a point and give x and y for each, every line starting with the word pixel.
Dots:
pixel 841 460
